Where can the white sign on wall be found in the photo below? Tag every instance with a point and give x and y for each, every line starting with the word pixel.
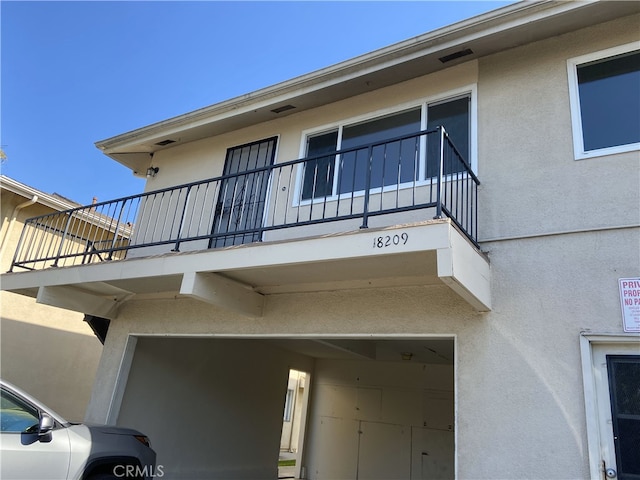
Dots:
pixel 630 302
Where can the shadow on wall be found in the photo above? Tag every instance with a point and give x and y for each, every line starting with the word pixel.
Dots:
pixel 49 363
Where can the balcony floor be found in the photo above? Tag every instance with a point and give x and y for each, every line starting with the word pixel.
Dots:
pixel 238 278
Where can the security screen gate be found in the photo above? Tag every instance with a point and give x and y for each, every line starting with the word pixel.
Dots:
pixel 624 388
pixel 242 199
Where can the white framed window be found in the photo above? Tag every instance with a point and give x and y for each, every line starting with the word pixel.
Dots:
pixel 403 163
pixel 604 95
pixel 288 406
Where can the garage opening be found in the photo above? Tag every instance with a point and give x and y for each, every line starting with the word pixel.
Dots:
pixel 215 407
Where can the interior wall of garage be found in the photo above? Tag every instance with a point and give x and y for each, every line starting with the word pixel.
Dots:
pixel 381 420
pixel 212 408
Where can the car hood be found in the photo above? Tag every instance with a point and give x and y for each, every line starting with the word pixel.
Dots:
pixel 109 429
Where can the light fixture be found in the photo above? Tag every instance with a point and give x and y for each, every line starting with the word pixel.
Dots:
pixel 152 171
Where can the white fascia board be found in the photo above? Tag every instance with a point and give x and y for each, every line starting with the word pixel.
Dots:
pixel 459 265
pixel 465 271
pixel 26 191
pixel 459 33
pixel 430 235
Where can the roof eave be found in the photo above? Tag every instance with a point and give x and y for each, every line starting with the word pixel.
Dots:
pixel 132 148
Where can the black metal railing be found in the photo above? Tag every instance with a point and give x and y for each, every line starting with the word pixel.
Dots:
pixel 412 172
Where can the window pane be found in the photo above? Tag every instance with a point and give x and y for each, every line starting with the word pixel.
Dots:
pixel 318 173
pixel 390 163
pixel 288 406
pixel 624 389
pixel 15 416
pixel 610 101
pixel 454 117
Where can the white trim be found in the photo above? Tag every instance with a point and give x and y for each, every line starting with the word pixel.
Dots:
pixel 574 102
pixel 267 197
pixel 587 342
pixel 121 380
pixel 501 23
pixel 23 190
pixel 423 104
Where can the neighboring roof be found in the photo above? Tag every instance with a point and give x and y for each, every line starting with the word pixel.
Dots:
pixel 498 30
pixel 55 201
pixel 61 204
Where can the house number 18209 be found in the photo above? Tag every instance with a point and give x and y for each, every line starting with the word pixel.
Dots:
pixel 391 240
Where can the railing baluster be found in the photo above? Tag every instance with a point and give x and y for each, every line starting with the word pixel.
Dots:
pixel 439 174
pixel 184 211
pixel 367 188
pixel 64 235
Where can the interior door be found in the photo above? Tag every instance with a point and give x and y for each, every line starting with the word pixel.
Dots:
pixel 617 374
pixel 242 194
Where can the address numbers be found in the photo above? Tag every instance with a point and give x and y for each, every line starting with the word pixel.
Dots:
pixel 391 240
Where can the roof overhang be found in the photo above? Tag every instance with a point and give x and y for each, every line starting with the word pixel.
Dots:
pixel 56 203
pixel 495 31
pixel 240 278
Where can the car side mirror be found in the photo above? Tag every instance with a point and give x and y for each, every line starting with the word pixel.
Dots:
pixel 46 424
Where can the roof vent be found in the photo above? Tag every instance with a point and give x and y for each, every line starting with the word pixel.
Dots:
pixel 455 55
pixel 165 142
pixel 283 109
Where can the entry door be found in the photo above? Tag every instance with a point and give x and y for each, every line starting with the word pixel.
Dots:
pixel 624 393
pixel 242 196
pixel 617 374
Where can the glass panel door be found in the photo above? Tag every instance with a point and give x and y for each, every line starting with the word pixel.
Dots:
pixel 624 389
pixel 242 198
pixel 453 115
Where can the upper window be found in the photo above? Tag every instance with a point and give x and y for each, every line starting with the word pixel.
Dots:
pixel 605 101
pixel 392 163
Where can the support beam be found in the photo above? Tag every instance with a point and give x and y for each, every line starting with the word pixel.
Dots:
pixel 222 292
pixel 78 300
pixel 468 274
pixel 358 349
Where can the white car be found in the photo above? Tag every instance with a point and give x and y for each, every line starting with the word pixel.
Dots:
pixel 37 443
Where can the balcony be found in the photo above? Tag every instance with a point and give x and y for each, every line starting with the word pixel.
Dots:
pixel 405 199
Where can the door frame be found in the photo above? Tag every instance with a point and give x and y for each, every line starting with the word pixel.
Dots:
pixel 590 372
pixel 219 203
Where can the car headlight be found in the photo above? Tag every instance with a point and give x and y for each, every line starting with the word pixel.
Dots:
pixel 143 439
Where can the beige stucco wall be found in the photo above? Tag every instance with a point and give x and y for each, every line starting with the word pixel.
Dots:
pixel 49 352
pixel 205 158
pixel 212 408
pixel 518 380
pixel 549 225
pixel 530 181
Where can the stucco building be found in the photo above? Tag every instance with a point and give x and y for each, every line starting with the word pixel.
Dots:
pixel 45 350
pixel 452 294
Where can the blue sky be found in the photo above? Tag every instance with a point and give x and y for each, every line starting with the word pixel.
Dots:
pixel 73 73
